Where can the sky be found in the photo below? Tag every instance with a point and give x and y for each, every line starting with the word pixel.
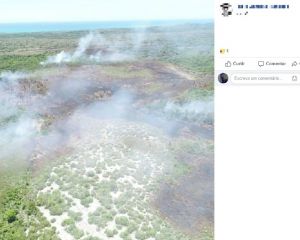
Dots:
pixel 17 11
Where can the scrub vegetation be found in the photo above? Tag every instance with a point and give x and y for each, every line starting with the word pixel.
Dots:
pixel 107 135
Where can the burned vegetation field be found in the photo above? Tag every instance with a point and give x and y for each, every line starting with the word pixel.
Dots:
pixel 107 134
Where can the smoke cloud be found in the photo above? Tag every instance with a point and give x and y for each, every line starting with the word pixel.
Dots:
pixel 50 119
pixel 96 48
pixel 44 118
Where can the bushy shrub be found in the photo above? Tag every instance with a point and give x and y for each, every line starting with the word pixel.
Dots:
pixel 68 222
pixel 74 231
pixel 122 221
pixel 86 201
pixel 76 216
pixel 140 235
pixel 90 173
pixel 111 232
pixel 10 215
pixel 54 201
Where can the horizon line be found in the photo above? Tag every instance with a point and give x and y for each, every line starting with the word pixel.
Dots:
pixel 124 20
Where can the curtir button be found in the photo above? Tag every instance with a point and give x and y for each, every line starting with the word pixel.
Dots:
pixel 238 63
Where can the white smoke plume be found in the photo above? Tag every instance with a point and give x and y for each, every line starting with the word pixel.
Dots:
pixel 17 126
pixel 93 48
pixel 10 93
pixel 12 76
pixel 21 125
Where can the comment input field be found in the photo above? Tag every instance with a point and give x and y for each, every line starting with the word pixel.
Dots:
pixel 265 78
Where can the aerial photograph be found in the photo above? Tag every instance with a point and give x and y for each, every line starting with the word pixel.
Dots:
pixel 106 120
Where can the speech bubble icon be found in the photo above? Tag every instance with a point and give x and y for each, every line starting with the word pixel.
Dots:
pixel 261 63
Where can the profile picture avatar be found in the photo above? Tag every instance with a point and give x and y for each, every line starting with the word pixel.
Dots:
pixel 223 78
pixel 226 9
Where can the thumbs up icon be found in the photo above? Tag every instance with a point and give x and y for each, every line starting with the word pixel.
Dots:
pixel 228 64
